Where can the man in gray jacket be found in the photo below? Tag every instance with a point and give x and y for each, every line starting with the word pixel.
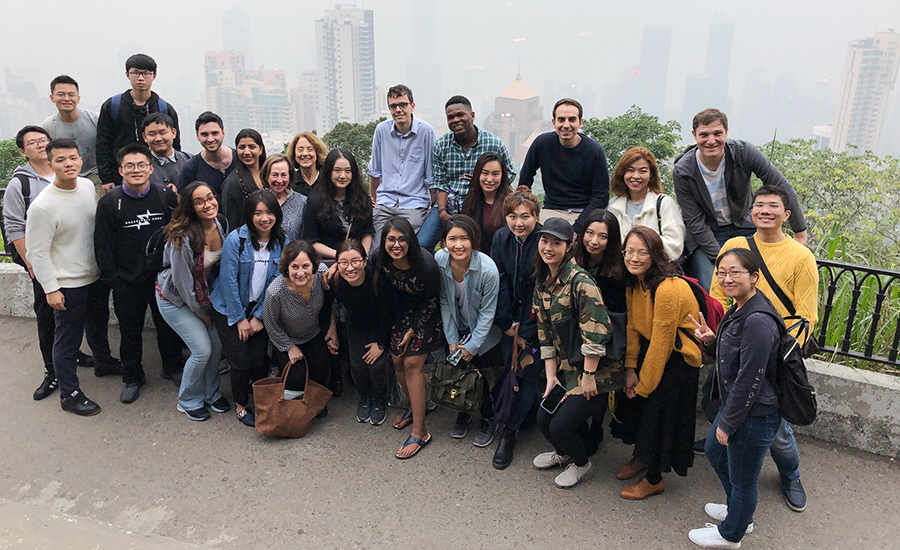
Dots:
pixel 712 183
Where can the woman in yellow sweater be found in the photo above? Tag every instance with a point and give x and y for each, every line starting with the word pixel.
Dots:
pixel 661 364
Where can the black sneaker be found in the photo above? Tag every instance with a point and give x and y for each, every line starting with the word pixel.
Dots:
pixel 378 413
pixel 364 409
pixel 460 427
pixel 700 447
pixel 46 388
pixel 220 405
pixel 110 367
pixel 78 403
pixel 85 360
pixel 197 415
pixel 132 391
pixel 485 435
pixel 794 494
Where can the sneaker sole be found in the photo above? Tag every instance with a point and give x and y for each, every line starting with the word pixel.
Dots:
pixel 791 506
pixel 218 410
pixel 95 413
pixel 195 419
pixel 586 477
pixel 377 423
pixel 482 445
pixel 362 420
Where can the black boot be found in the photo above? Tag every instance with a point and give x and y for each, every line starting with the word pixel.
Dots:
pixel 504 454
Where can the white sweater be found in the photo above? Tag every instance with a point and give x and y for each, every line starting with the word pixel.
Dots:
pixel 60 236
pixel 672 224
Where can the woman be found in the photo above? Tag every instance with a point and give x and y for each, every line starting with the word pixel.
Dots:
pixel 278 174
pixel 410 284
pixel 368 330
pixel 307 153
pixel 295 315
pixel 194 238
pixel 484 202
pixel 245 179
pixel 514 250
pixel 249 263
pixel 565 290
pixel 662 364
pixel 339 206
pixel 639 200
pixel 746 349
pixel 469 287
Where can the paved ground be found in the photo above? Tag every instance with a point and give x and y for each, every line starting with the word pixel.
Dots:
pixel 143 476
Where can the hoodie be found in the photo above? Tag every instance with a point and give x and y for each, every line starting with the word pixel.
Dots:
pixel 14 202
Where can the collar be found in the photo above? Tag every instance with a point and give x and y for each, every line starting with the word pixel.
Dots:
pixel 128 191
pixel 414 129
pixel 443 260
pixel 565 274
pixel 162 161
pixel 478 134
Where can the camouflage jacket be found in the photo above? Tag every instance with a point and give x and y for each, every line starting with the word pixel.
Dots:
pixel 554 303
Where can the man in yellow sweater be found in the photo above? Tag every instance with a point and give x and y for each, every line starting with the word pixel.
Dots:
pixel 793 268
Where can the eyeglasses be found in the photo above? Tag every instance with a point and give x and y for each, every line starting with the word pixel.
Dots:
pixel 136 74
pixel 344 264
pixel 131 167
pixel 202 202
pixel 37 142
pixel 395 240
pixel 401 105
pixel 63 95
pixel 638 253
pixel 721 275
pixel 773 205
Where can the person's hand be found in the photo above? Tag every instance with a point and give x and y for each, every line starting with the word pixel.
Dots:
pixel 466 356
pixel 331 339
pixel 207 321
pixel 511 331
pixel 800 237
pixel 631 381
pixel 294 354
pixel 329 275
pixel 373 199
pixel 702 330
pixel 467 177
pixel 171 187
pixel 404 343
pixel 551 381
pixel 56 300
pixel 588 386
pixel 256 325
pixel 244 330
pixel 373 353
pixel 444 216
pixel 721 436
pixel 107 187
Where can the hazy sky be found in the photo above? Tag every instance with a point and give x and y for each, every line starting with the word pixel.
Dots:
pixel 478 43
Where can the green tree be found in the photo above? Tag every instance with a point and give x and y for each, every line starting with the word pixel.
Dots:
pixel 637 128
pixel 355 137
pixel 9 159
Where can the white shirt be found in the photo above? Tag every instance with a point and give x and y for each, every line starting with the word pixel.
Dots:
pixel 260 269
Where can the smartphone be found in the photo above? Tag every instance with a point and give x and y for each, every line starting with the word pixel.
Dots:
pixel 554 398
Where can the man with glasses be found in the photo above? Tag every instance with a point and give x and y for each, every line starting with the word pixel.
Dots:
pixel 122 116
pixel 126 218
pixel 400 168
pixel 74 123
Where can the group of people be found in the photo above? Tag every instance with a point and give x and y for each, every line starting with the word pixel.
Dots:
pixel 276 259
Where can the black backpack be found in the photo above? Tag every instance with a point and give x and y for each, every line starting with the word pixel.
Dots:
pixel 26 196
pixel 796 397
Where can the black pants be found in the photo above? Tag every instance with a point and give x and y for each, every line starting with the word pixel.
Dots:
pixel 564 429
pixel 489 364
pixel 45 325
pixel 317 357
pixel 247 359
pixel 130 301
pixel 371 380
pixel 86 315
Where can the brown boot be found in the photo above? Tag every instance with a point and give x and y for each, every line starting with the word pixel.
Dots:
pixel 642 489
pixel 631 468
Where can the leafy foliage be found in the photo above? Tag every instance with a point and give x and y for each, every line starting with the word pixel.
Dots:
pixel 355 137
pixel 9 159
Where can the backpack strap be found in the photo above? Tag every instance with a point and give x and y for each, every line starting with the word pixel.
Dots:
pixel 163 106
pixel 751 242
pixel 659 200
pixel 114 106
pixel 241 246
pixel 25 182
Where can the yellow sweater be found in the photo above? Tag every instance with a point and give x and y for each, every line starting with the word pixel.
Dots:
pixel 659 322
pixel 793 267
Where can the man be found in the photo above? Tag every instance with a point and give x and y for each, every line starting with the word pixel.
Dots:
pixel 573 167
pixel 126 218
pixel 793 269
pixel 400 168
pixel 454 157
pixel 60 236
pixel 74 123
pixel 712 183
pixel 159 132
pixel 215 162
pixel 121 116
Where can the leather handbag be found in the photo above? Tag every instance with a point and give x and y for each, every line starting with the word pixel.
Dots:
pixel 459 388
pixel 277 416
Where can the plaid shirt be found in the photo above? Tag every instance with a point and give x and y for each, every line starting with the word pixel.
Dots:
pixel 450 163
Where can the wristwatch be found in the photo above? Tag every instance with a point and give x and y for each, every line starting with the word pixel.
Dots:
pixel 588 373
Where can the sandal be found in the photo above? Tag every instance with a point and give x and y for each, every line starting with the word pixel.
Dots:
pixel 403 420
pixel 246 417
pixel 413 440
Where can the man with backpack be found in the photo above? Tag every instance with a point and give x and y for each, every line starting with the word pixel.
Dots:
pixel 126 219
pixel 122 116
pixel 790 279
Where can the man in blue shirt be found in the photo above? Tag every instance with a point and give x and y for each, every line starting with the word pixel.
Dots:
pixel 400 168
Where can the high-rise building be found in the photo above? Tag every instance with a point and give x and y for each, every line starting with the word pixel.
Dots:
pixel 643 85
pixel 303 100
pixel 870 71
pixel 516 118
pixel 345 47
pixel 236 33
pixel 225 87
pixel 423 70
pixel 710 89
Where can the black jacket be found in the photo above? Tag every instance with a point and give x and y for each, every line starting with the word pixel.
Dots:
pixel 515 263
pixel 329 231
pixel 114 134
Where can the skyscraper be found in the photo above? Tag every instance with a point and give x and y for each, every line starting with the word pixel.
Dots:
pixel 516 118
pixel 710 89
pixel 236 33
pixel 870 71
pixel 345 47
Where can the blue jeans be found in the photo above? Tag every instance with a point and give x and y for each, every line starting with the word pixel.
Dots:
pixel 784 452
pixel 200 381
pixel 698 264
pixel 738 466
pixel 430 232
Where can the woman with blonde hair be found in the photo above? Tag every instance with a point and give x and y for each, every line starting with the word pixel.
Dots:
pixel 306 153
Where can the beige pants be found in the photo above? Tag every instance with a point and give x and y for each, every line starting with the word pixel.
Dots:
pixel 570 217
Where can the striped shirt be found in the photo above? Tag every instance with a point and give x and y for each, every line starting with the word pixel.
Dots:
pixel 290 320
pixel 451 162
pixel 715 184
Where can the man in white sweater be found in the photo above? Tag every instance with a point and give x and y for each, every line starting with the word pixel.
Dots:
pixel 60 236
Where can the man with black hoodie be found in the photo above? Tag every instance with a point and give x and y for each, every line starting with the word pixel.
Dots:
pixel 126 218
pixel 122 116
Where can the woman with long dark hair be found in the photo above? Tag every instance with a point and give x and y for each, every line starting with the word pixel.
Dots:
pixel 245 179
pixel 339 206
pixel 194 238
pixel 249 263
pixel 307 153
pixel 662 364
pixel 410 284
pixel 278 175
pixel 484 201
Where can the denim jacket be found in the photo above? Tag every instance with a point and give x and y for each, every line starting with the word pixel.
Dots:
pixel 230 295
pixel 482 288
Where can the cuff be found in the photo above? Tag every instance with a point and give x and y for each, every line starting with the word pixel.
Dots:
pixel 589 348
pixel 548 352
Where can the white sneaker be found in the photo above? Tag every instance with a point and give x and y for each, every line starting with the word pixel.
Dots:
pixel 545 461
pixel 709 537
pixel 572 475
pixel 719 512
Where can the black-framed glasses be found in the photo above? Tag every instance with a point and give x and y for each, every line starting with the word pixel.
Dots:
pixel 395 240
pixel 344 264
pixel 131 167
pixel 399 104
pixel 136 74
